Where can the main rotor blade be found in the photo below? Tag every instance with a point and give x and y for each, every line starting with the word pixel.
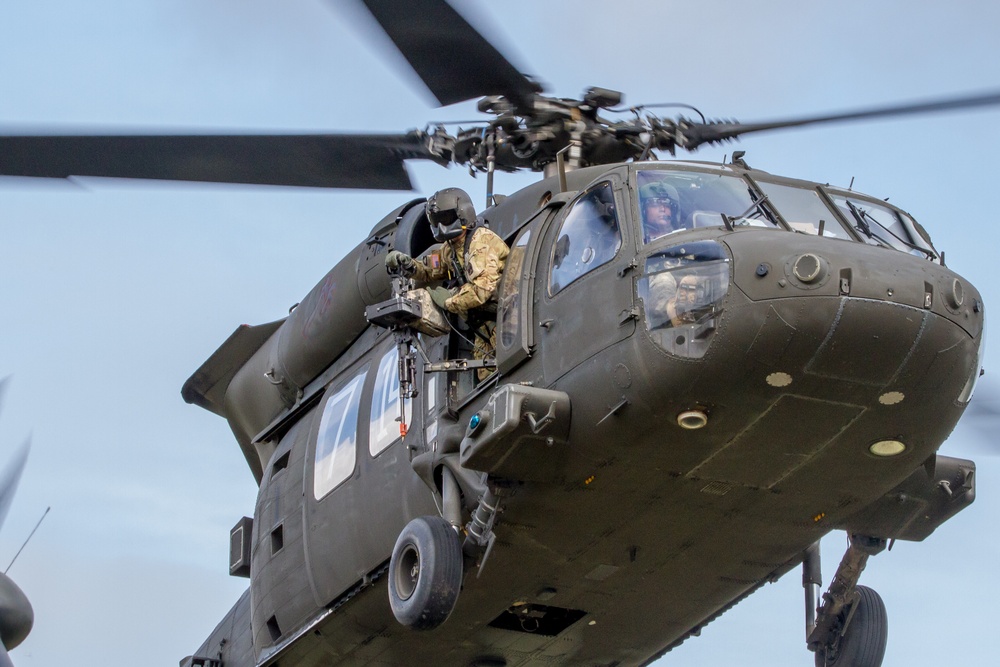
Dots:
pixel 454 60
pixel 320 160
pixel 10 478
pixel 696 134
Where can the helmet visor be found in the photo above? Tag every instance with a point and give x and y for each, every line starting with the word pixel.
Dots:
pixel 445 217
pixel 664 202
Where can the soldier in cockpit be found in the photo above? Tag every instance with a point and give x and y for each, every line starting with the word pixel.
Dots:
pixel 660 207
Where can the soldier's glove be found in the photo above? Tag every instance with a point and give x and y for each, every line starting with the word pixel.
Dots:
pixel 400 261
pixel 439 295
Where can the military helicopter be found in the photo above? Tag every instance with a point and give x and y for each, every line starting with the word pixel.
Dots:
pixel 458 398
pixel 16 614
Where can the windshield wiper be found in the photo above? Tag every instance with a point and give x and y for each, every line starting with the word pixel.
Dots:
pixel 758 204
pixel 862 216
pixel 859 217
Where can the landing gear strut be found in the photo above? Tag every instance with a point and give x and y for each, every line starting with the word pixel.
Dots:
pixel 851 627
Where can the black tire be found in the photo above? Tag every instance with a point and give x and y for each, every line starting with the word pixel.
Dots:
pixel 863 645
pixel 425 573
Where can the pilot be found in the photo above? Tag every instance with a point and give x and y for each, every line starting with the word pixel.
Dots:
pixel 469 263
pixel 660 210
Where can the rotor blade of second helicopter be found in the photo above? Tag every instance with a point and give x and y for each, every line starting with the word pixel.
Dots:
pixel 320 160
pixel 9 479
pixel 696 134
pixel 453 59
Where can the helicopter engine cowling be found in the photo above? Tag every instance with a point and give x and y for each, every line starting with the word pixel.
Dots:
pixel 320 328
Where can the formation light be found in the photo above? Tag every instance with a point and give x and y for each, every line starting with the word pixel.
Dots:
pixel 692 419
pixel 887 448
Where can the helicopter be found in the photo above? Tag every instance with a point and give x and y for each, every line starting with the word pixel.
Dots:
pixel 487 570
pixel 16 613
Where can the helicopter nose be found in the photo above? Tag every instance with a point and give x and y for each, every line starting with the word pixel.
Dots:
pixel 829 355
pixel 858 314
pixel 768 267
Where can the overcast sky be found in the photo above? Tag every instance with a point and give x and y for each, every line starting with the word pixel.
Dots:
pixel 112 294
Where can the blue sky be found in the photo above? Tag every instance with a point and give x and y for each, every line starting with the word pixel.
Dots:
pixel 112 294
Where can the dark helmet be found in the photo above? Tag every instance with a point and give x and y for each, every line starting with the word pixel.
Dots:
pixel 450 212
pixel 659 190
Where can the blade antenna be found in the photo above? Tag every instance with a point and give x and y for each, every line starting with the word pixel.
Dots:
pixel 28 540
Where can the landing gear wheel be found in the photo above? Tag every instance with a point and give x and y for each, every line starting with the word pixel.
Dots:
pixel 863 645
pixel 425 573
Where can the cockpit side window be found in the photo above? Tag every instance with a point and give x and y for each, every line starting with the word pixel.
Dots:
pixel 590 236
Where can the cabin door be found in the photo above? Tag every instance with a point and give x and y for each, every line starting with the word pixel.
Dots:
pixel 583 288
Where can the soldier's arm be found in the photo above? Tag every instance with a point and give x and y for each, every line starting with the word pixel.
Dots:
pixel 430 269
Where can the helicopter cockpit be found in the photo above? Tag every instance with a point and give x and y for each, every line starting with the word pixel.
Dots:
pixel 685 278
pixel 721 197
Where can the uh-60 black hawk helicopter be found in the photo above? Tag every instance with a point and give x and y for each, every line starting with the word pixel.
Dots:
pixel 667 423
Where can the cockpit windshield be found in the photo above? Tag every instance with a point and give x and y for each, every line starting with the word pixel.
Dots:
pixel 803 210
pixel 673 200
pixel 670 201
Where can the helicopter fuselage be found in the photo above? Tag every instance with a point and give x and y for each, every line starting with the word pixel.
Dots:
pixel 672 423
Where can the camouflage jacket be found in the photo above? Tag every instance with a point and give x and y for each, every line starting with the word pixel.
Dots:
pixel 477 264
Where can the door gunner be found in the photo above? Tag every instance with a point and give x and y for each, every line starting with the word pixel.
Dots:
pixel 469 263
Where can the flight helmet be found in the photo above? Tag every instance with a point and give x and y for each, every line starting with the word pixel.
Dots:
pixel 450 212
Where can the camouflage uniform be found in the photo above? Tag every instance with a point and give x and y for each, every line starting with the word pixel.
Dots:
pixel 475 262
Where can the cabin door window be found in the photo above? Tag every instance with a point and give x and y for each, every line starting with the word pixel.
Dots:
pixel 336 442
pixel 384 425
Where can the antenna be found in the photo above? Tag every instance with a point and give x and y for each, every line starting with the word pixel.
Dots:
pixel 29 538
